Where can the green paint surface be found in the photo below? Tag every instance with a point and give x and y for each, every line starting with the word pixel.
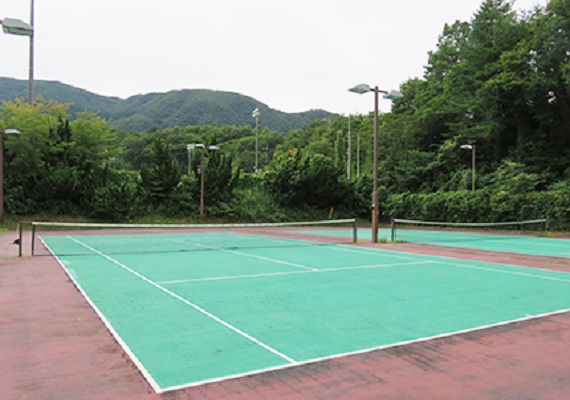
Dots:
pixel 175 309
pixel 519 244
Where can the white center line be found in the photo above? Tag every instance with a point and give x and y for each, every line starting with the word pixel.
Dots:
pixel 239 253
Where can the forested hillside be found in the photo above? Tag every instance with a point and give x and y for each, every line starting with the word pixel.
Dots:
pixel 499 82
pixel 163 110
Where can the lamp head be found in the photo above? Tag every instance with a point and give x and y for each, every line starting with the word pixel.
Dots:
pixel 360 89
pixel 393 95
pixel 10 131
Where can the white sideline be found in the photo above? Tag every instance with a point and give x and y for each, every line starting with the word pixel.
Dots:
pixel 187 302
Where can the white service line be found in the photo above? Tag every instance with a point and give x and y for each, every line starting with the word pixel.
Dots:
pixel 187 302
pixel 270 274
pixel 239 253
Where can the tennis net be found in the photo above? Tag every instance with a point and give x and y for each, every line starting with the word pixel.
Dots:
pixel 405 230
pixel 65 238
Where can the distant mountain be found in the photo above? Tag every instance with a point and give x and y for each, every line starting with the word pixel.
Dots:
pixel 164 110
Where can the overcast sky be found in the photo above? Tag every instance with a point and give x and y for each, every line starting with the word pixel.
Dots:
pixel 292 55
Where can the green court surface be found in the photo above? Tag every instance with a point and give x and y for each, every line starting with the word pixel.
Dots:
pixel 518 244
pixel 201 312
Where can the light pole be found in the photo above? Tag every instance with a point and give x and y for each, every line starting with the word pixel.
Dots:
pixel 364 88
pixel 190 148
pixel 255 114
pixel 31 68
pixel 16 27
pixel 203 175
pixel 472 148
pixel 349 154
pixel 2 132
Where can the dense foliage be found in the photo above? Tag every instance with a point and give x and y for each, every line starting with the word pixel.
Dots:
pixel 163 110
pixel 500 82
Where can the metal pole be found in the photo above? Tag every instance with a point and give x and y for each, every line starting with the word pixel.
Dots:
pixel 256 143
pixel 31 72
pixel 375 184
pixel 348 155
pixel 20 238
pixel 473 168
pixel 33 247
pixel 203 172
pixel 355 231
pixel 1 177
pixel 358 155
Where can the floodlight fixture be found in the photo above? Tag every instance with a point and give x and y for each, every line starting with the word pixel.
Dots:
pixel 14 26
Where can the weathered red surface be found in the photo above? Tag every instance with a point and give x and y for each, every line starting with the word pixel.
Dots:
pixel 53 346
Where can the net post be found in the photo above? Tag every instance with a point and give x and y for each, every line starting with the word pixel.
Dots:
pixel 20 239
pixel 393 231
pixel 354 231
pixel 33 237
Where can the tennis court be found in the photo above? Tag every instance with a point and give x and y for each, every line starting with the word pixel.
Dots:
pixel 507 243
pixel 196 307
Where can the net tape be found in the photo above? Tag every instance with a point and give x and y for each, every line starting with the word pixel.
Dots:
pixel 470 224
pixel 401 222
pixel 110 226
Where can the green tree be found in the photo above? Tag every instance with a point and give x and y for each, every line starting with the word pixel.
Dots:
pixel 162 176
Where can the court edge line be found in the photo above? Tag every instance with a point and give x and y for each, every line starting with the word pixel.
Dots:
pixel 284 273
pixel 155 386
pixel 498 271
pixel 369 350
pixel 434 257
pixel 188 302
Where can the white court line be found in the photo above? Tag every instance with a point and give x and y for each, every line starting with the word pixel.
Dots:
pixel 106 322
pixel 501 271
pixel 187 302
pixel 270 274
pixel 373 252
pixel 370 350
pixel 239 253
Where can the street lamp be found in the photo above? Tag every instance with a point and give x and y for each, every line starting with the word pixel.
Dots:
pixel 394 94
pixel 472 148
pixel 2 132
pixel 16 27
pixel 202 175
pixel 190 148
pixel 255 114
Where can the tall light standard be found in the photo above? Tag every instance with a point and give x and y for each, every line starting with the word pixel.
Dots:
pixel 255 114
pixel 364 88
pixel 349 154
pixel 190 148
pixel 2 132
pixel 203 175
pixel 16 27
pixel 472 148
